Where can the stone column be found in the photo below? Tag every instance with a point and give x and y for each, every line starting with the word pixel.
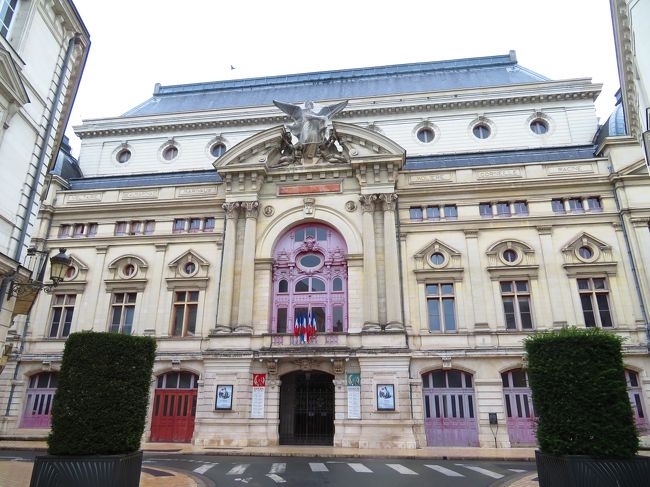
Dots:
pixel 555 280
pixel 475 288
pixel 391 262
pixel 370 305
pixel 247 275
pixel 227 268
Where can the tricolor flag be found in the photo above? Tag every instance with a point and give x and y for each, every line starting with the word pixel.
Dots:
pixel 303 329
pixel 296 327
pixel 314 328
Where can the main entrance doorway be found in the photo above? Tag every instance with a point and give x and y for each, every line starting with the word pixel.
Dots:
pixel 307 409
pixel 174 407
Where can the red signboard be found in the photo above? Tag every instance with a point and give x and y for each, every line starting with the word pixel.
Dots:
pixel 311 188
pixel 259 380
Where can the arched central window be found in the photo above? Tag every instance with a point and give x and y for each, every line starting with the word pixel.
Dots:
pixel 310 277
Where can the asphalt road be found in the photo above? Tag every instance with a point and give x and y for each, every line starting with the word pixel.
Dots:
pixel 240 471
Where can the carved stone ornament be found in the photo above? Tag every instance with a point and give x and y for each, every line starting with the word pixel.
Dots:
pixel 251 208
pixel 268 210
pixel 339 367
pixel 351 206
pixel 446 361
pixel 272 367
pixel 368 202
pixel 230 209
pixel 388 201
pixel 305 364
pixel 309 209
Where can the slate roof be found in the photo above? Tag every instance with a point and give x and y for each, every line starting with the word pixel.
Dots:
pixel 499 158
pixel 615 124
pixel 141 180
pixel 341 84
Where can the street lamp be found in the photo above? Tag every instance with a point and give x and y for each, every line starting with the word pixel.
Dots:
pixel 58 267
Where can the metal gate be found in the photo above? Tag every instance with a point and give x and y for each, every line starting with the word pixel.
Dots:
pixel 38 401
pixel 174 408
pixel 307 409
pixel 520 414
pixel 449 409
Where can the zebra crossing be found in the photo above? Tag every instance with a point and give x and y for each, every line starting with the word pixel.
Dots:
pixel 277 471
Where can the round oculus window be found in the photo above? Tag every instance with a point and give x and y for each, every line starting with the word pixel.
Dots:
pixel 585 252
pixel 539 127
pixel 123 156
pixel 426 135
pixel 128 270
pixel 510 256
pixel 218 149
pixel 189 267
pixel 170 153
pixel 437 258
pixel 481 131
pixel 310 261
pixel 71 272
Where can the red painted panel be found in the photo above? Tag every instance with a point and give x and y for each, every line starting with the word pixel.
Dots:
pixel 312 188
pixel 173 414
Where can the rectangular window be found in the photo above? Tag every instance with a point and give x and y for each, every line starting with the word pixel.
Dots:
pixel 79 230
pixel 195 225
pixel 120 228
pixel 575 205
pixel 179 225
pixel 557 205
pixel 593 203
pixel 503 209
pixel 149 227
pixel 516 305
pixel 520 208
pixel 184 316
pixel 208 224
pixel 594 298
pixel 440 307
pixel 485 209
pixel 433 212
pixel 337 318
pixel 281 323
pixel 7 11
pixel 64 231
pixel 450 211
pixel 415 214
pixel 122 312
pixel 92 230
pixel 135 227
pixel 62 311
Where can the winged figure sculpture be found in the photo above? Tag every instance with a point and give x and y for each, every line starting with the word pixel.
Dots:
pixel 310 125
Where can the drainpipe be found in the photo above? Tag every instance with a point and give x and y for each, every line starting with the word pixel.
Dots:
pixel 635 275
pixel 223 241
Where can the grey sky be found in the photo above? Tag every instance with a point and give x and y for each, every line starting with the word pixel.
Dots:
pixel 138 43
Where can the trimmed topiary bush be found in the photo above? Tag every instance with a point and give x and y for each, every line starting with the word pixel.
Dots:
pixel 580 394
pixel 101 402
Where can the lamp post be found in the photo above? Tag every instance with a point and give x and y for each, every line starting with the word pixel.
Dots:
pixel 58 267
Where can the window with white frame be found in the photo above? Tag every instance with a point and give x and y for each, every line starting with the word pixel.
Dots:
pixel 503 209
pixel 433 213
pixel 7 11
pixel 122 312
pixel 591 204
pixel 594 298
pixel 441 307
pixel 185 311
pixel 516 305
pixel 61 315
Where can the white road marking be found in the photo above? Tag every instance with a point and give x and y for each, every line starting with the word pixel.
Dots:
pixel 359 468
pixel 319 467
pixel 278 468
pixel 205 468
pixel 517 470
pixel 444 471
pixel 238 469
pixel 401 469
pixel 484 471
pixel 276 478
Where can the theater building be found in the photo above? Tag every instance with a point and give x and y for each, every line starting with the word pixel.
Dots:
pixel 449 210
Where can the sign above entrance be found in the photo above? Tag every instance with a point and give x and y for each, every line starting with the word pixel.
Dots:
pixel 310 189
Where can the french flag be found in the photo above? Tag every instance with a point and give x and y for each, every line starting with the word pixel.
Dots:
pixel 312 328
pixel 303 330
pixel 296 327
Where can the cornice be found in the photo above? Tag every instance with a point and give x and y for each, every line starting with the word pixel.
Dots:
pixel 490 98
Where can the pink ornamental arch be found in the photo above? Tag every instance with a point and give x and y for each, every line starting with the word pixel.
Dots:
pixel 310 278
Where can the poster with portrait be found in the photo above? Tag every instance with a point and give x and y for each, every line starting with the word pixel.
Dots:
pixel 257 399
pixel 385 397
pixel 224 397
pixel 354 395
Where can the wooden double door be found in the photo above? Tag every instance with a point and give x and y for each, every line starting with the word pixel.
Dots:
pixel 174 408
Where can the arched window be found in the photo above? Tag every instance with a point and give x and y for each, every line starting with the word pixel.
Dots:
pixel 310 278
pixel 38 404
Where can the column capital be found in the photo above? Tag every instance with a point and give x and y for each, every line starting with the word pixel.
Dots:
pixel 252 208
pixel 388 201
pixel 230 209
pixel 544 229
pixel 471 233
pixel 367 202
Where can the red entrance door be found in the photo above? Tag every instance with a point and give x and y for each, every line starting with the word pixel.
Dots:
pixel 174 408
pixel 519 408
pixel 38 404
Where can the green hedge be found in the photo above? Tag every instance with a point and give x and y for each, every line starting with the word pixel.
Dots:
pixel 580 394
pixel 101 402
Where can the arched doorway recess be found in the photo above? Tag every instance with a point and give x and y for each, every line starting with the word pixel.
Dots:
pixel 174 407
pixel 38 400
pixel 307 408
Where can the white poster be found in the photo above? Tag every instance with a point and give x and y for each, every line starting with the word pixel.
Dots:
pixel 257 400
pixel 354 396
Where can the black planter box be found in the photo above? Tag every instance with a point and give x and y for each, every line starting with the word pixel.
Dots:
pixel 584 471
pixel 87 471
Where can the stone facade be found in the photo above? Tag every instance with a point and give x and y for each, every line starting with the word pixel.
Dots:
pixel 459 242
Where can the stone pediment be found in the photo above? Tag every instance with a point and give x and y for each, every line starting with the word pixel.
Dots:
pixel 450 255
pixel 638 168
pixel 586 254
pixel 10 83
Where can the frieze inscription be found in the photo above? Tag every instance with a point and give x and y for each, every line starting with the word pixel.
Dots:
pixel 562 170
pixel 83 197
pixel 430 178
pixel 186 192
pixel 500 174
pixel 149 194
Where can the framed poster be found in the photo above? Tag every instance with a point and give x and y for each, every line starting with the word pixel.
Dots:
pixel 224 397
pixel 257 398
pixel 354 395
pixel 385 397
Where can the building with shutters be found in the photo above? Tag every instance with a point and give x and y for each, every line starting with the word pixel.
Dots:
pixel 460 206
